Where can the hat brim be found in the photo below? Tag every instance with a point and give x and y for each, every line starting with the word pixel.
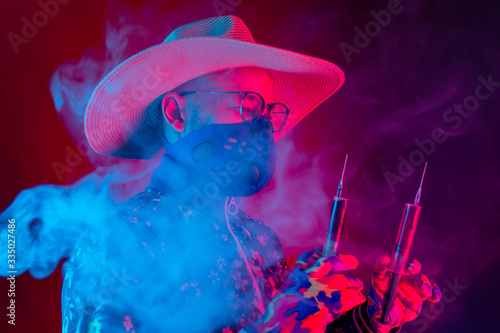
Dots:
pixel 121 119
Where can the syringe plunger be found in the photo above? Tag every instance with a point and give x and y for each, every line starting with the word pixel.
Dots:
pixel 332 240
pixel 404 241
pixel 339 211
pixel 402 249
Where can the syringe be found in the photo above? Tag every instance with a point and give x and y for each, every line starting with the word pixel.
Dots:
pixel 339 211
pixel 401 253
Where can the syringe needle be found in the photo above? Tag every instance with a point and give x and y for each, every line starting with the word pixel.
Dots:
pixel 339 189
pixel 419 191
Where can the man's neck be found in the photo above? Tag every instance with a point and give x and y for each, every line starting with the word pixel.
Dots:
pixel 192 190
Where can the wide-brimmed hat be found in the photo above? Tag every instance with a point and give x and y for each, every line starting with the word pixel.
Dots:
pixel 123 118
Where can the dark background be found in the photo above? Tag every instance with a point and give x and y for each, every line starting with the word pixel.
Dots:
pixel 398 88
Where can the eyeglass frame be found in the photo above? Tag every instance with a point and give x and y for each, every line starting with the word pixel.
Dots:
pixel 242 95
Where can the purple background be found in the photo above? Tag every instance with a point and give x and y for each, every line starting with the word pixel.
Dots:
pixel 398 88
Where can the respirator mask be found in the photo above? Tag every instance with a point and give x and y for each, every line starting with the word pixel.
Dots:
pixel 239 158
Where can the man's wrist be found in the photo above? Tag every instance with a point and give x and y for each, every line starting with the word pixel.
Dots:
pixel 361 319
pixel 356 320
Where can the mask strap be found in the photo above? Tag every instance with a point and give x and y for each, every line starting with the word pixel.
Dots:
pixel 245 259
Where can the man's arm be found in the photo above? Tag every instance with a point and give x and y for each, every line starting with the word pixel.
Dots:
pixel 90 292
pixel 356 320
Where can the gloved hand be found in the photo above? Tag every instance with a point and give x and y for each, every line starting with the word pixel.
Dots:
pixel 315 294
pixel 412 291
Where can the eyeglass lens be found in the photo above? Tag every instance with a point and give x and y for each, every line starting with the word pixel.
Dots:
pixel 253 107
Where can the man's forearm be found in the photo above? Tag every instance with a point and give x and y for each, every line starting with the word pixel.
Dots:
pixel 355 320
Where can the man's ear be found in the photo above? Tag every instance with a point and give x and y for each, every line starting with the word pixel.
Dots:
pixel 173 111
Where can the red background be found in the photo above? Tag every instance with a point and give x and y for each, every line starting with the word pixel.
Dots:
pixel 397 89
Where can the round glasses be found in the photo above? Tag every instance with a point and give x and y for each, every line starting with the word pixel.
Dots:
pixel 253 106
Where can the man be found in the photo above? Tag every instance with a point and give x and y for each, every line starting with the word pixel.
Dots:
pixel 181 256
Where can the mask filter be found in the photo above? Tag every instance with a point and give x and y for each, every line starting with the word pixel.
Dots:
pixel 203 152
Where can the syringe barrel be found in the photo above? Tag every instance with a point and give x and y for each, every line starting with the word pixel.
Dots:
pixel 332 240
pixel 404 241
